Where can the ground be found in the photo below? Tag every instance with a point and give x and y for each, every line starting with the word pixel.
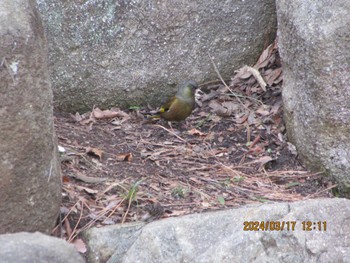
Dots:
pixel 118 166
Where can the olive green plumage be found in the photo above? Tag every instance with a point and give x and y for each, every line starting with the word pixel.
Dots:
pixel 182 104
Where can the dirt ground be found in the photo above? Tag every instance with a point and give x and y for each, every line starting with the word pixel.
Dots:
pixel 119 167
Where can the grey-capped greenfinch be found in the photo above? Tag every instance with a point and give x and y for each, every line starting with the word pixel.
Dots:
pixel 180 106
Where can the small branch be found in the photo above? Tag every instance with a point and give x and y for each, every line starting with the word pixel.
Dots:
pixel 173 133
pixel 223 82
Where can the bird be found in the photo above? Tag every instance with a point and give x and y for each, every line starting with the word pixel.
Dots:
pixel 180 106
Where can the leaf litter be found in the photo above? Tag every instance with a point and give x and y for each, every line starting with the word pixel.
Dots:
pixel 117 168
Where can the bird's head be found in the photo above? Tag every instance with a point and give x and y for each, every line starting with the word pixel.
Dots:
pixel 187 89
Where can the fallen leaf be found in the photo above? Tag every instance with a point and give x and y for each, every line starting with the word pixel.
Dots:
pixel 262 111
pixel 251 118
pixel 196 132
pixel 225 108
pixel 218 108
pixel 65 179
pixel 126 157
pixel 77 117
pixel 86 189
pixel 276 107
pixel 257 149
pixel 243 73
pixel 113 204
pixel 215 118
pixel 205 204
pixel 79 245
pixel 270 78
pixel 88 179
pixel 95 152
pixel 241 118
pixel 263 160
pixel 263 60
pixel 292 149
pixel 209 96
pixel 231 106
pixel 104 114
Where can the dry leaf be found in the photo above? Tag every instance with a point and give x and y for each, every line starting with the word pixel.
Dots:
pixel 252 118
pixel 86 189
pixel 178 213
pixel 278 80
pixel 88 179
pixel 205 204
pixel 276 107
pixel 125 157
pixel 196 132
pixel 94 152
pixel 263 160
pixel 113 204
pixel 222 89
pixel 224 109
pixel 262 111
pixel 79 245
pixel 231 106
pixel 257 149
pixel 65 179
pixel 292 149
pixel 215 118
pixel 243 73
pixel 104 114
pixel 77 117
pixel 263 60
pixel 209 96
pixel 270 78
pixel 241 118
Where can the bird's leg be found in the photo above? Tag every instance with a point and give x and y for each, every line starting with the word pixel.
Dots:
pixel 177 131
pixel 171 127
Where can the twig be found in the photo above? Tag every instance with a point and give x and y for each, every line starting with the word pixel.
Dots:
pixel 127 211
pixel 223 82
pixel 254 72
pixel 74 234
pixel 323 190
pixel 69 212
pixel 173 133
pixel 246 97
pixel 115 208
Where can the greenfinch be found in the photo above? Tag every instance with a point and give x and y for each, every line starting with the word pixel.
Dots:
pixel 182 104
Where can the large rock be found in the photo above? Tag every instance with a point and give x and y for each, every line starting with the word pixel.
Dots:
pixel 113 240
pixel 133 52
pixel 314 45
pixel 221 236
pixel 30 180
pixel 36 247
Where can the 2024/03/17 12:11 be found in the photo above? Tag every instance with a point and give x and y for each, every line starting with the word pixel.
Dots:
pixel 283 225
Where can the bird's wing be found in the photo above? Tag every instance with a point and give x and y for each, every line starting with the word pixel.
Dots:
pixel 167 105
